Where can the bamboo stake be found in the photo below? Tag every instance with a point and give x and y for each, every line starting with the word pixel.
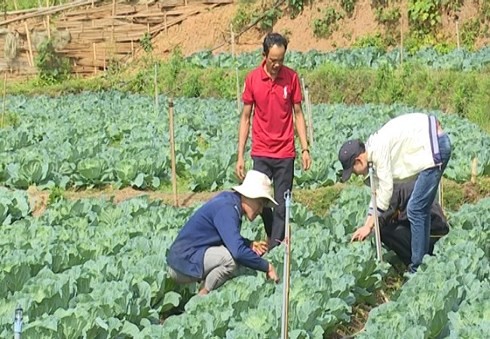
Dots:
pixel 48 26
pixel 457 34
pixel 164 22
pixel 29 45
pixel 4 95
pixel 309 114
pixel 15 5
pixel 48 21
pixel 113 7
pixel 401 39
pixel 172 149
pixel 474 170
pixel 155 84
pixel 233 55
pixel 95 58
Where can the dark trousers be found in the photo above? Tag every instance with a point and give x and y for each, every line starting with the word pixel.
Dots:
pixel 281 172
pixel 399 239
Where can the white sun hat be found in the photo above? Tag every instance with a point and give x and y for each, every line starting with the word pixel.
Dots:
pixel 256 185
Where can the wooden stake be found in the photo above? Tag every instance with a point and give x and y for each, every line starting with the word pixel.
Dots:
pixel 95 58
pixel 113 7
pixel 238 106
pixel 29 45
pixel 401 40
pixel 309 115
pixel 164 22
pixel 172 149
pixel 155 84
pixel 4 95
pixel 15 5
pixel 48 26
pixel 457 34
pixel 474 170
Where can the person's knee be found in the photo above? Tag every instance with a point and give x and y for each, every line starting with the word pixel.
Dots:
pixel 179 278
pixel 411 211
pixel 229 265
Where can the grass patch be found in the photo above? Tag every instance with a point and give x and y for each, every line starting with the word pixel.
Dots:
pixel 320 199
pixel 457 194
pixel 9 119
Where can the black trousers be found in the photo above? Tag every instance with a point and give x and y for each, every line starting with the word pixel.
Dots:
pixel 398 238
pixel 281 172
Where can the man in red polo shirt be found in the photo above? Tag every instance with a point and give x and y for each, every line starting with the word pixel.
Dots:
pixel 272 92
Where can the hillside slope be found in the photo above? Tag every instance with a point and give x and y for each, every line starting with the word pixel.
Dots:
pixel 211 30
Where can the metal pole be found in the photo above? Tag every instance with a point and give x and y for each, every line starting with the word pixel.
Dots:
pixel 287 252
pixel 439 194
pixel 375 213
pixel 18 322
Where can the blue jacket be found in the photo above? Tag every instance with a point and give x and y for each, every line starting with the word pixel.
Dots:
pixel 216 223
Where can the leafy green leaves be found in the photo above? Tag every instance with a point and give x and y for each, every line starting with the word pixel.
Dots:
pixel 95 139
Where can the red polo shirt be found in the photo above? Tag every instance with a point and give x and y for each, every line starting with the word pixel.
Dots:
pixel 272 123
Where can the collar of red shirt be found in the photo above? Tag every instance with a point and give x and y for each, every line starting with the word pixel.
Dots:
pixel 265 76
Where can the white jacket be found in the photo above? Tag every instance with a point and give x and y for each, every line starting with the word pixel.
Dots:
pixel 401 149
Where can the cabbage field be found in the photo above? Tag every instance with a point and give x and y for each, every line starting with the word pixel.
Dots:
pixel 90 268
pixel 457 60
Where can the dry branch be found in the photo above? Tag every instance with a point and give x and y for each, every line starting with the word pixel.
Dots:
pixel 43 12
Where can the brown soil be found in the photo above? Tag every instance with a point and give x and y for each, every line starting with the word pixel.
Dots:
pixel 40 199
pixel 211 30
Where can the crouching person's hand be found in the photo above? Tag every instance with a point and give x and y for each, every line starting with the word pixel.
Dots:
pixel 259 247
pixel 272 275
pixel 361 233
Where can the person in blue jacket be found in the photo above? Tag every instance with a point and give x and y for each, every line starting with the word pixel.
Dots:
pixel 209 247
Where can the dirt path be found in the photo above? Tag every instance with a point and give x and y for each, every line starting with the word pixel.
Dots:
pixel 39 200
pixel 318 200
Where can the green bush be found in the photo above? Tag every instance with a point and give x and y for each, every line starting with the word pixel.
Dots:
pixel 51 66
pixel 325 26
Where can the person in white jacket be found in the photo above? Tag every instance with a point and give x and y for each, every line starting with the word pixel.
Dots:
pixel 408 146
